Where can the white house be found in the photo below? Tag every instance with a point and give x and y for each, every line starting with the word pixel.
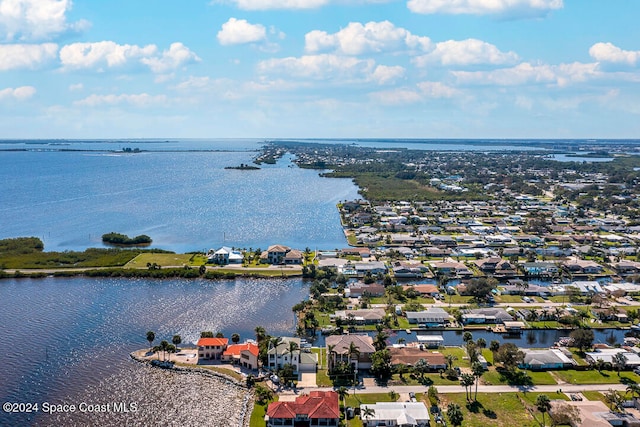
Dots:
pixel 405 414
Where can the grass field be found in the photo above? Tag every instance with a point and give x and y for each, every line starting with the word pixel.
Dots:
pixel 493 377
pixel 164 260
pixel 259 411
pixel 595 377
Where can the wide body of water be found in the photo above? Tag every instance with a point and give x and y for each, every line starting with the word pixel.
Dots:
pixel 68 340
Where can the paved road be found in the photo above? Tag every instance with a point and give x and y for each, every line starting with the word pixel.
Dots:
pixel 565 388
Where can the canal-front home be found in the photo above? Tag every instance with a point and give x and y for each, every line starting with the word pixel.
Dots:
pixel 245 355
pixel 300 359
pixel 338 346
pixel 318 408
pixel 211 348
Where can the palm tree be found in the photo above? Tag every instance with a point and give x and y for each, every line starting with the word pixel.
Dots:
pixel 293 346
pixel 455 414
pixel 261 334
pixel 353 350
pixel 543 404
pixel 151 336
pixel 633 389
pixel 619 360
pixel 450 359
pixel 477 370
pixel 421 367
pixel 176 340
pixel 366 413
pixel 494 347
pixel 467 336
pixel 481 343
pixel 235 338
pixel 343 392
pixel 467 380
pixel 393 395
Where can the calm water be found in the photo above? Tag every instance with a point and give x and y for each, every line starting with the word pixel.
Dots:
pixel 184 200
pixel 69 339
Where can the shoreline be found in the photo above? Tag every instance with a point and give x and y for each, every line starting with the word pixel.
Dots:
pixel 248 401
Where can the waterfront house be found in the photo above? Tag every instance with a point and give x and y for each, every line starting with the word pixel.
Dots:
pixel 402 414
pixel 581 266
pixel 373 267
pixel 486 315
pixel 279 254
pixel 337 347
pixel 547 359
pixel 245 355
pixel 606 354
pixel 587 287
pixel 294 256
pixel 211 348
pixel 426 289
pixel 410 355
pixel 540 268
pixel 450 268
pixel 433 317
pixel 225 255
pixel 359 289
pixel 318 408
pixel 300 359
pixel 363 316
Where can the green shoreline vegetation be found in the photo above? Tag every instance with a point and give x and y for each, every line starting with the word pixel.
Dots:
pixel 118 239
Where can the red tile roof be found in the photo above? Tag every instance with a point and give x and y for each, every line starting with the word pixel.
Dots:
pixel 236 349
pixel 317 404
pixel 212 341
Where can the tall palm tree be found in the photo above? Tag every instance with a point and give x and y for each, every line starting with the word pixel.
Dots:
pixel 176 340
pixel 343 392
pixel 633 389
pixel 151 336
pixel 481 343
pixel 293 347
pixel 331 353
pixel 353 350
pixel 275 342
pixel 467 380
pixel 477 370
pixel 455 414
pixel 543 404
pixel 494 346
pixel 261 334
pixel 450 359
pixel 235 338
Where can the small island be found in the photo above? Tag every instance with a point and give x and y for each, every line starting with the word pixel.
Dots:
pixel 243 167
pixel 118 239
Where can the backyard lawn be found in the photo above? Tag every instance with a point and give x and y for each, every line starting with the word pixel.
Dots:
pixel 595 377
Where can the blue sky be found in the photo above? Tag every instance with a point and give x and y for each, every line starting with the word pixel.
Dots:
pixel 319 68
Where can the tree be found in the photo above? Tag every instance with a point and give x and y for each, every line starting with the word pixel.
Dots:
pixel 235 338
pixel 275 342
pixel 467 337
pixel 331 353
pixel 582 338
pixel 599 364
pixel 393 395
pixel 619 361
pixel 432 392
pixel 343 392
pixel 450 359
pixel 614 399
pixel 367 413
pixel 494 346
pixel 634 390
pixel 176 340
pixel 381 364
pixel 380 341
pixel 455 414
pixel 481 343
pixel 467 380
pixel 151 336
pixel 293 347
pixel 543 404
pixel 480 289
pixel 263 394
pixel 353 350
pixel 509 355
pixel 421 367
pixel 261 333
pixel 564 413
pixel 206 334
pixel 477 370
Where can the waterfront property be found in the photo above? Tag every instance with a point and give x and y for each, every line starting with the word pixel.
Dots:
pixel 547 359
pixel 288 351
pixel 245 355
pixel 363 316
pixel 405 414
pixel 225 255
pixel 411 355
pixel 432 317
pixel 486 315
pixel 211 348
pixel 280 254
pixel 318 408
pixel 339 346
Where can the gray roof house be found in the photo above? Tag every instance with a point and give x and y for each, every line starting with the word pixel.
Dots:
pixel 433 316
pixel 546 359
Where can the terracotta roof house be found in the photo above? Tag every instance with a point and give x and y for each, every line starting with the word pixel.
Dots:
pixel 318 408
pixel 358 289
pixel 245 355
pixel 424 289
pixel 211 348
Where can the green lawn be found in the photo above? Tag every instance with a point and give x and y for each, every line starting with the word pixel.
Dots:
pixel 259 411
pixel 593 395
pixel 163 260
pixel 493 377
pixel 359 399
pixel 595 377
pixel 495 409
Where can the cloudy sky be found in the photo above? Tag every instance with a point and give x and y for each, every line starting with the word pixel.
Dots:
pixel 320 68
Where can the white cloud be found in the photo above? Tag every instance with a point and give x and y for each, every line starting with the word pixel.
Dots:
pixel 608 52
pixel 19 56
pixel 20 93
pixel 357 39
pixel 325 66
pixel 176 56
pixel 396 97
pixel 76 87
pixel 36 19
pixel 239 31
pixel 437 90
pixel 111 55
pixel 279 4
pixel 466 52
pixel 137 100
pixel 526 73
pixel 387 74
pixel 508 8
